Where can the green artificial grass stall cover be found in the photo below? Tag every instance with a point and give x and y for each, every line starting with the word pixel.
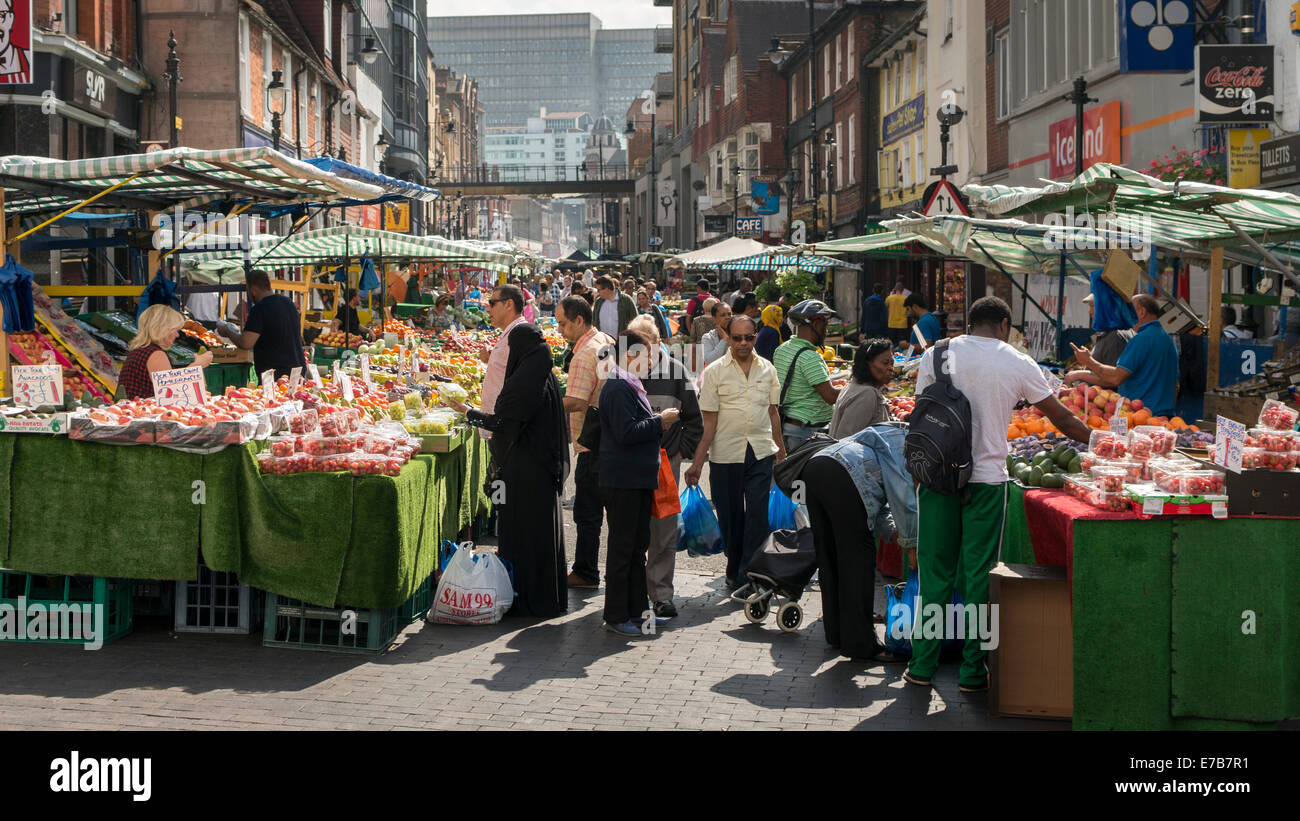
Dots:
pixel 1225 665
pixel 1017 548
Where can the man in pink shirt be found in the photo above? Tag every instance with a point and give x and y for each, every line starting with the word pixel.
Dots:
pixel 505 310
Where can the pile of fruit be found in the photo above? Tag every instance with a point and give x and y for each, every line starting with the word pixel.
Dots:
pixel 900 407
pixel 1045 468
pixel 380 451
pixel 338 339
pixel 473 343
pixel 1095 407
pixel 194 330
pixel 33 348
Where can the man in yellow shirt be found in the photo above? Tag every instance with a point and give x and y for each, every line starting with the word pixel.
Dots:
pixel 897 313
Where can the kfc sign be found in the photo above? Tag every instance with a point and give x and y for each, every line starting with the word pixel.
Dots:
pixel 15 42
pixel 1101 142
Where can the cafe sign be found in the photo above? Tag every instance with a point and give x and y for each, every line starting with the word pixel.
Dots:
pixel 908 118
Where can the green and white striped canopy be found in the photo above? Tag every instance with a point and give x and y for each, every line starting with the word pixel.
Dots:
pixel 186 177
pixel 333 244
pixel 789 258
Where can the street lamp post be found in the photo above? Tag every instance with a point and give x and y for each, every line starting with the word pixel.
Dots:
pixel 173 77
pixel 829 142
pixel 276 95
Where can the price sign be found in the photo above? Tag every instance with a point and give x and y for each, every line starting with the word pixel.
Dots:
pixel 295 379
pixel 1229 440
pixel 1219 510
pixel 346 382
pixel 314 372
pixel 1119 425
pixel 38 385
pixel 365 369
pixel 1153 506
pixel 334 375
pixel 184 387
pixel 268 384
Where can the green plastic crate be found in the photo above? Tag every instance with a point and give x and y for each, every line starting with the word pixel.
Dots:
pixel 297 625
pixel 113 595
pixel 415 608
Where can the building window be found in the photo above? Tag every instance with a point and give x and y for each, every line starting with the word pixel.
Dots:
pixel 1052 41
pixel 852 56
pixel 839 155
pixel 302 110
pixel 947 21
pixel 853 154
pixel 1002 61
pixel 730 80
pixel 826 71
pixel 327 24
pixel 286 122
pixel 838 56
pixel 244 79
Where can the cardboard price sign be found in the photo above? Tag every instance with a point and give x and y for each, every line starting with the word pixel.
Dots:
pixel 1229 440
pixel 184 387
pixel 295 379
pixel 268 384
pixel 314 372
pixel 365 369
pixel 346 382
pixel 38 385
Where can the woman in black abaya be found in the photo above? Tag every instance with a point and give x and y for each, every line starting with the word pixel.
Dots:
pixel 530 447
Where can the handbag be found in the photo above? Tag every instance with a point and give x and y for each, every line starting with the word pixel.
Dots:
pixel 589 436
pixel 786 472
pixel 666 501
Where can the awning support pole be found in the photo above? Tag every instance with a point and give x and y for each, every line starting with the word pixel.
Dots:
pixel 76 207
pixel 1268 256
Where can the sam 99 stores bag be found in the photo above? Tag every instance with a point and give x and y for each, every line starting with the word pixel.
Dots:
pixel 474 589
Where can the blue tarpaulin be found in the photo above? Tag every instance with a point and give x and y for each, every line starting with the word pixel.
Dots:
pixel 397 189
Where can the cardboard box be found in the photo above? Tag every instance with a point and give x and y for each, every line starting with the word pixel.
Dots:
pixel 444 442
pixel 1031 671
pixel 231 354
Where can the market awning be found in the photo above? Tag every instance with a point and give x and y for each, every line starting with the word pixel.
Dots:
pixel 790 258
pixel 721 253
pixel 258 178
pixel 350 240
pixel 395 188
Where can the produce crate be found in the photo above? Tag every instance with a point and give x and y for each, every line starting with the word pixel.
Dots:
pixel 414 608
pixel 114 596
pixel 299 626
pixel 444 442
pixel 216 603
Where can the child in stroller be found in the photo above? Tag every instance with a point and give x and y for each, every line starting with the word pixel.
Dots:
pixel 779 570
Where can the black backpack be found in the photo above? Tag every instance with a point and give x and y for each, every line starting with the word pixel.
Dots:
pixel 938 444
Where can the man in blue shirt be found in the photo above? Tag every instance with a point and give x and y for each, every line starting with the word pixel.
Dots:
pixel 926 331
pixel 1148 368
pixel 875 314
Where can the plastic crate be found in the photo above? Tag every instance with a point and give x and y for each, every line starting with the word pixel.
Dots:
pixel 414 608
pixel 36 590
pixel 153 598
pixel 215 603
pixel 299 626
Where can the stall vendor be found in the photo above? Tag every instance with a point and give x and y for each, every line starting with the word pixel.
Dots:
pixel 273 331
pixel 158 328
pixel 1148 368
pixel 441 317
pixel 346 318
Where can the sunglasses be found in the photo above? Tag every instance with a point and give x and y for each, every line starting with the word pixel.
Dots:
pixel 743 337
pixel 495 301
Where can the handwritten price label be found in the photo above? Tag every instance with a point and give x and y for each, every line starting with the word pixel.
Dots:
pixel 183 387
pixel 38 385
pixel 365 369
pixel 1119 425
pixel 268 384
pixel 315 375
pixel 346 382
pixel 1229 440
pixel 295 379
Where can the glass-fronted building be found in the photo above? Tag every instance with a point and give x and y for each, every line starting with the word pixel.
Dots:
pixel 398 31
pixel 560 62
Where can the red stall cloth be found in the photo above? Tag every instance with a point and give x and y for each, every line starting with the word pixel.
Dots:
pixel 1050 516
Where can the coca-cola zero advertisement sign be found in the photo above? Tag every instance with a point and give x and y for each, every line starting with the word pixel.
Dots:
pixel 1235 83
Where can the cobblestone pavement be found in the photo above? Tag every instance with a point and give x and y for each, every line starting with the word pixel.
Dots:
pixel 708 669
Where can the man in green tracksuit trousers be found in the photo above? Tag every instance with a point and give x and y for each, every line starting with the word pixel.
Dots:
pixel 959 540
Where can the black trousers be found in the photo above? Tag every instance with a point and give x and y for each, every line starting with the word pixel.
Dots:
pixel 629 538
pixel 587 512
pixel 846 558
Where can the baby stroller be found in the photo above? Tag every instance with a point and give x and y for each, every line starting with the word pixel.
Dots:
pixel 780 569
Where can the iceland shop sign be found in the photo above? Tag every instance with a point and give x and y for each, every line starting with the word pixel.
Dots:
pixel 1101 142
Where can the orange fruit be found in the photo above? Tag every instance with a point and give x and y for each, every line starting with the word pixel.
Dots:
pixel 1177 423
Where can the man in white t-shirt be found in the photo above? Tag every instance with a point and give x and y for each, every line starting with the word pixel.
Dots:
pixel 959 538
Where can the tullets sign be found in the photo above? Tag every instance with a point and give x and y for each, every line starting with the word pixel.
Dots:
pixel 1101 142
pixel 1235 83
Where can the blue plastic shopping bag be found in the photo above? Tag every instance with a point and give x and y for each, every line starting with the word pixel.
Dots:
pixel 901 602
pixel 780 511
pixel 697 527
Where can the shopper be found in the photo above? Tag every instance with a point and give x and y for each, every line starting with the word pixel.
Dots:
pixel 695 307
pixel 652 288
pixel 769 333
pixel 743 288
pixel 546 298
pixel 668 385
pixel 858 489
pixel 960 534
pixel 613 309
pixel 897 313
pixel 1148 368
pixel 582 291
pixel 646 307
pixel 505 310
pixel 862 402
pixel 1231 331
pixel 703 323
pixel 531 456
pixel 147 351
pixel 926 330
pixel 808 399
pixel 875 314
pixel 574 321
pixel 716 342
pixel 273 331
pixel 630 434
pixel 742 441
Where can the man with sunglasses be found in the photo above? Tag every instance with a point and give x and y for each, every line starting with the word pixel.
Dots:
pixel 739 396
pixel 505 310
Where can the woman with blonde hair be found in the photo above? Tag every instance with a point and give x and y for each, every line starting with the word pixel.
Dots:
pixel 159 326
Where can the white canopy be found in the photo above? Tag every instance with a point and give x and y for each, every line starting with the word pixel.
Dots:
pixel 721 253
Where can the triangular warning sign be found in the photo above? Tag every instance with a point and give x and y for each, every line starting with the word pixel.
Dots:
pixel 944 201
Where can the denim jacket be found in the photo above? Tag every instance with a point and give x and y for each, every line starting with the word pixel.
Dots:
pixel 874 458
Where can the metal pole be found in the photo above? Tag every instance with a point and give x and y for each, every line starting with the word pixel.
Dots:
pixel 654 173
pixel 1060 310
pixel 812 74
pixel 1079 96
pixel 173 77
